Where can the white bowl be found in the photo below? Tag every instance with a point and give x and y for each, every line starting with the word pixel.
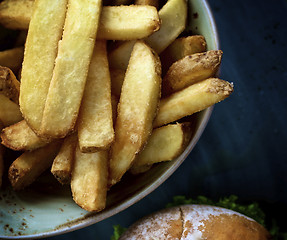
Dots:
pixel 47 209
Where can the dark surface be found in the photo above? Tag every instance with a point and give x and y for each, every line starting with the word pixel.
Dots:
pixel 243 150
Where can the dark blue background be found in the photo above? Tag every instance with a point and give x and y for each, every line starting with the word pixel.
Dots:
pixel 243 150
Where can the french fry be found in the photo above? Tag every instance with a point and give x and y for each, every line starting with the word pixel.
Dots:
pixel 117 79
pixel 192 99
pixel 128 22
pixel 95 121
pixel 140 169
pixel 26 168
pixel 12 58
pixel 191 69
pixel 136 110
pixel 116 22
pixel 45 31
pixel 147 2
pixel 71 68
pixel 16 14
pixel 20 137
pixel 180 48
pixel 63 163
pixel 89 180
pixel 173 16
pixel 165 144
pixel 9 85
pixel 1 157
pixel 9 111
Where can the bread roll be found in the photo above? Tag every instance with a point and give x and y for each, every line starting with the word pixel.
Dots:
pixel 195 222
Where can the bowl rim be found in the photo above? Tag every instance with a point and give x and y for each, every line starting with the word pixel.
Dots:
pixel 92 218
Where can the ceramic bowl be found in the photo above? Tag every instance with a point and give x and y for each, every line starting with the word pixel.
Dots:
pixel 46 209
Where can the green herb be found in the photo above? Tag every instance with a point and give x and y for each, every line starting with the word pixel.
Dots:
pixel 118 231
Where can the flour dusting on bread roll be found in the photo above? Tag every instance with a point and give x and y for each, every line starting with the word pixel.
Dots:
pixel 196 222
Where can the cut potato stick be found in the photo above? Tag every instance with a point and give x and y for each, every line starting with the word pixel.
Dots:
pixel 117 79
pixel 173 16
pixel 164 144
pixel 9 111
pixel 95 121
pixel 116 22
pixel 9 85
pixel 192 99
pixel 45 31
pixel 128 22
pixel 26 168
pixel 136 110
pixel 20 137
pixel 89 180
pixel 16 14
pixel 1 157
pixel 63 163
pixel 12 58
pixel 71 68
pixel 147 2
pixel 191 69
pixel 180 48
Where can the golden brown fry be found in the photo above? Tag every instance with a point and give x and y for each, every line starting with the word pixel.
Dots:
pixel 173 16
pixel 89 180
pixel 63 163
pixel 9 111
pixel 1 157
pixel 136 110
pixel 45 31
pixel 191 69
pixel 71 68
pixel 20 137
pixel 128 22
pixel 192 99
pixel 16 14
pixel 12 58
pixel 165 144
pixel 117 79
pixel 140 169
pixel 26 168
pixel 147 2
pixel 9 85
pixel 180 48
pixel 95 121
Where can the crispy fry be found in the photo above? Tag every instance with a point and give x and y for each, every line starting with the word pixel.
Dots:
pixel 9 111
pixel 89 180
pixel 117 79
pixel 180 48
pixel 192 99
pixel 20 137
pixel 45 31
pixel 26 168
pixel 1 157
pixel 136 110
pixel 116 22
pixel 147 2
pixel 95 121
pixel 71 68
pixel 63 163
pixel 191 69
pixel 12 58
pixel 173 16
pixel 128 22
pixel 164 144
pixel 9 85
pixel 16 14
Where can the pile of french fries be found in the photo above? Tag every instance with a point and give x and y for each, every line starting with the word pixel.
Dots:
pixel 102 90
